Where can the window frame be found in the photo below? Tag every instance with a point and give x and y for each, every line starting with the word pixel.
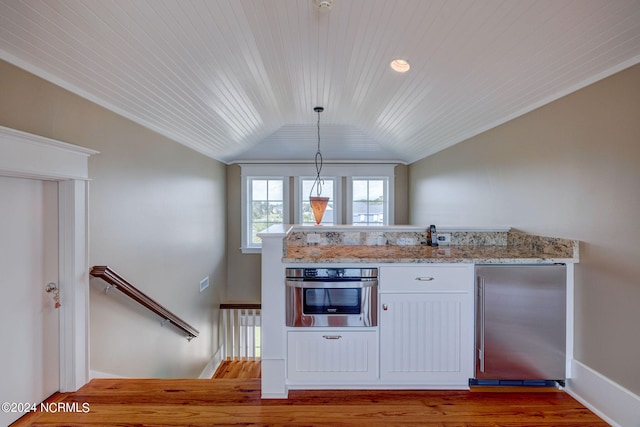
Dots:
pixel 295 172
pixel 388 197
pixel 247 245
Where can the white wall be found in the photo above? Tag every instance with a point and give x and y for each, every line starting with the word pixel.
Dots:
pixel 569 169
pixel 157 216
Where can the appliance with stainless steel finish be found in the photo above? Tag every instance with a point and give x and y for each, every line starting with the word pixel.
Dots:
pixel 331 297
pixel 520 324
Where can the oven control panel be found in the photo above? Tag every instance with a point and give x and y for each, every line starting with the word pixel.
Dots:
pixel 331 273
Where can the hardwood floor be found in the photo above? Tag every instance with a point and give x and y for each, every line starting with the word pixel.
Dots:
pixel 238 369
pixel 233 402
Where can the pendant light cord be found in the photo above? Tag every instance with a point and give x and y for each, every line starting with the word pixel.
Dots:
pixel 317 184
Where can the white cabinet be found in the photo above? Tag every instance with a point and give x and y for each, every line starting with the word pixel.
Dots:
pixel 426 325
pixel 332 356
pixel 425 337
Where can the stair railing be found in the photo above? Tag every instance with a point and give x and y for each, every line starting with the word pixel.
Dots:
pixel 240 331
pixel 116 281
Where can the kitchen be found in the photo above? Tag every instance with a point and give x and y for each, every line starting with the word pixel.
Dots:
pixel 567 169
pixel 409 321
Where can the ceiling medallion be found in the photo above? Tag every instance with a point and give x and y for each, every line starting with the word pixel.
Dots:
pixel 323 4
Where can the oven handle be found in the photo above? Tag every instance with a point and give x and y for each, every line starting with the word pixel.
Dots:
pixel 332 285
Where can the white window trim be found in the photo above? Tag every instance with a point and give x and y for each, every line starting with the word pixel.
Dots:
pixel 389 193
pixel 299 197
pixel 247 247
pixel 333 170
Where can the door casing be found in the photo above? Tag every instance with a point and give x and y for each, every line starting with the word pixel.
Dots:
pixel 24 155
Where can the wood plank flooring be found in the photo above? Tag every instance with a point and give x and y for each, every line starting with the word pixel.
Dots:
pixel 233 402
pixel 238 369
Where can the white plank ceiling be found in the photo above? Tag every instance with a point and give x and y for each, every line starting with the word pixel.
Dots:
pixel 237 80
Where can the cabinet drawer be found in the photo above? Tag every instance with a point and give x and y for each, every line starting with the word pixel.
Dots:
pixel 432 278
pixel 332 355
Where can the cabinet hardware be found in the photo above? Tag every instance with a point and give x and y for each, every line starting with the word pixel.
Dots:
pixel 425 279
pixel 332 337
pixel 385 307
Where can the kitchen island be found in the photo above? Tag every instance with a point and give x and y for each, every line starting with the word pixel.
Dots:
pixel 399 252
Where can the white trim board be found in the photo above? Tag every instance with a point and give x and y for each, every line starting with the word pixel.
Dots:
pixel 609 400
pixel 212 366
pixel 98 374
pixel 24 155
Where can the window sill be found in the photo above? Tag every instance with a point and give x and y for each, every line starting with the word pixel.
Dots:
pixel 251 250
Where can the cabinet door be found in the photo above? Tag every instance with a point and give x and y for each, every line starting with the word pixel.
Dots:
pixel 332 355
pixel 426 338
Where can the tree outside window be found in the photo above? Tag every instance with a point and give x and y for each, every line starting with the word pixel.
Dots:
pixel 267 205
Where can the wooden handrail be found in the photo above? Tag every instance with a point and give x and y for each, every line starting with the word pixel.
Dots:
pixel 240 306
pixel 118 282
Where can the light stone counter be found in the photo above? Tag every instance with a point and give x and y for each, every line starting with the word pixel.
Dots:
pixel 406 244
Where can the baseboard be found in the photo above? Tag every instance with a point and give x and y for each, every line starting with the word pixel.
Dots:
pixel 273 384
pixel 97 374
pixel 609 400
pixel 210 369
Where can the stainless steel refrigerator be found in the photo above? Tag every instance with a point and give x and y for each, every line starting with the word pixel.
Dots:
pixel 520 324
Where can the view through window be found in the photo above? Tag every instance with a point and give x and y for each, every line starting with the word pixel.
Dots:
pixel 267 205
pixel 369 201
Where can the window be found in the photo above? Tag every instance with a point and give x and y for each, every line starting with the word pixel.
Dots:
pixel 305 215
pixel 266 199
pixel 266 204
pixel 369 201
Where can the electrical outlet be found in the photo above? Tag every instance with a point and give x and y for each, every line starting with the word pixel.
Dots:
pixel 406 241
pixel 444 238
pixel 313 238
pixel 204 283
pixel 351 238
pixel 374 238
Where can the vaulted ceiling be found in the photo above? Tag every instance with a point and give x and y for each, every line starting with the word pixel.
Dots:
pixel 237 80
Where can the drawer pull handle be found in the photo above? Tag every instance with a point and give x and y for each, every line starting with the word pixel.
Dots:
pixel 332 337
pixel 425 279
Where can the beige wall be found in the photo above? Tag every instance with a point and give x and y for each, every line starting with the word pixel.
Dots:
pixel 244 270
pixel 401 195
pixel 157 216
pixel 569 169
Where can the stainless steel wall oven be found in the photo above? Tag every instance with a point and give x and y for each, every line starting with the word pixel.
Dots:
pixel 331 297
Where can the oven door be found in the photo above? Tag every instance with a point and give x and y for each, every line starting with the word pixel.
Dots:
pixel 335 304
pixel 331 301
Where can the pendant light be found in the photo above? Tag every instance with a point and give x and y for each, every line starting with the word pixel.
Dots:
pixel 318 203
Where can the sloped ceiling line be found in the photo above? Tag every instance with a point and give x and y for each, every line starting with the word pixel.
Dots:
pixel 237 80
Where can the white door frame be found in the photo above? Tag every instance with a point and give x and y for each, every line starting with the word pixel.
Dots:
pixel 24 155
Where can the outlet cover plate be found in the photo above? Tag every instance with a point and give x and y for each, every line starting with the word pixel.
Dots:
pixel 204 283
pixel 444 238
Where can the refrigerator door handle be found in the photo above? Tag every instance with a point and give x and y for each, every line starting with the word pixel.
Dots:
pixel 481 315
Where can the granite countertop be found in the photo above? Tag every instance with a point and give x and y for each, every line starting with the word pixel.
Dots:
pixel 409 246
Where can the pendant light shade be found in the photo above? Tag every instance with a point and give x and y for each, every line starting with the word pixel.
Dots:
pixel 318 203
pixel 318 206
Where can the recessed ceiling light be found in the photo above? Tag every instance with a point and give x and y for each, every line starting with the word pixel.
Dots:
pixel 400 65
